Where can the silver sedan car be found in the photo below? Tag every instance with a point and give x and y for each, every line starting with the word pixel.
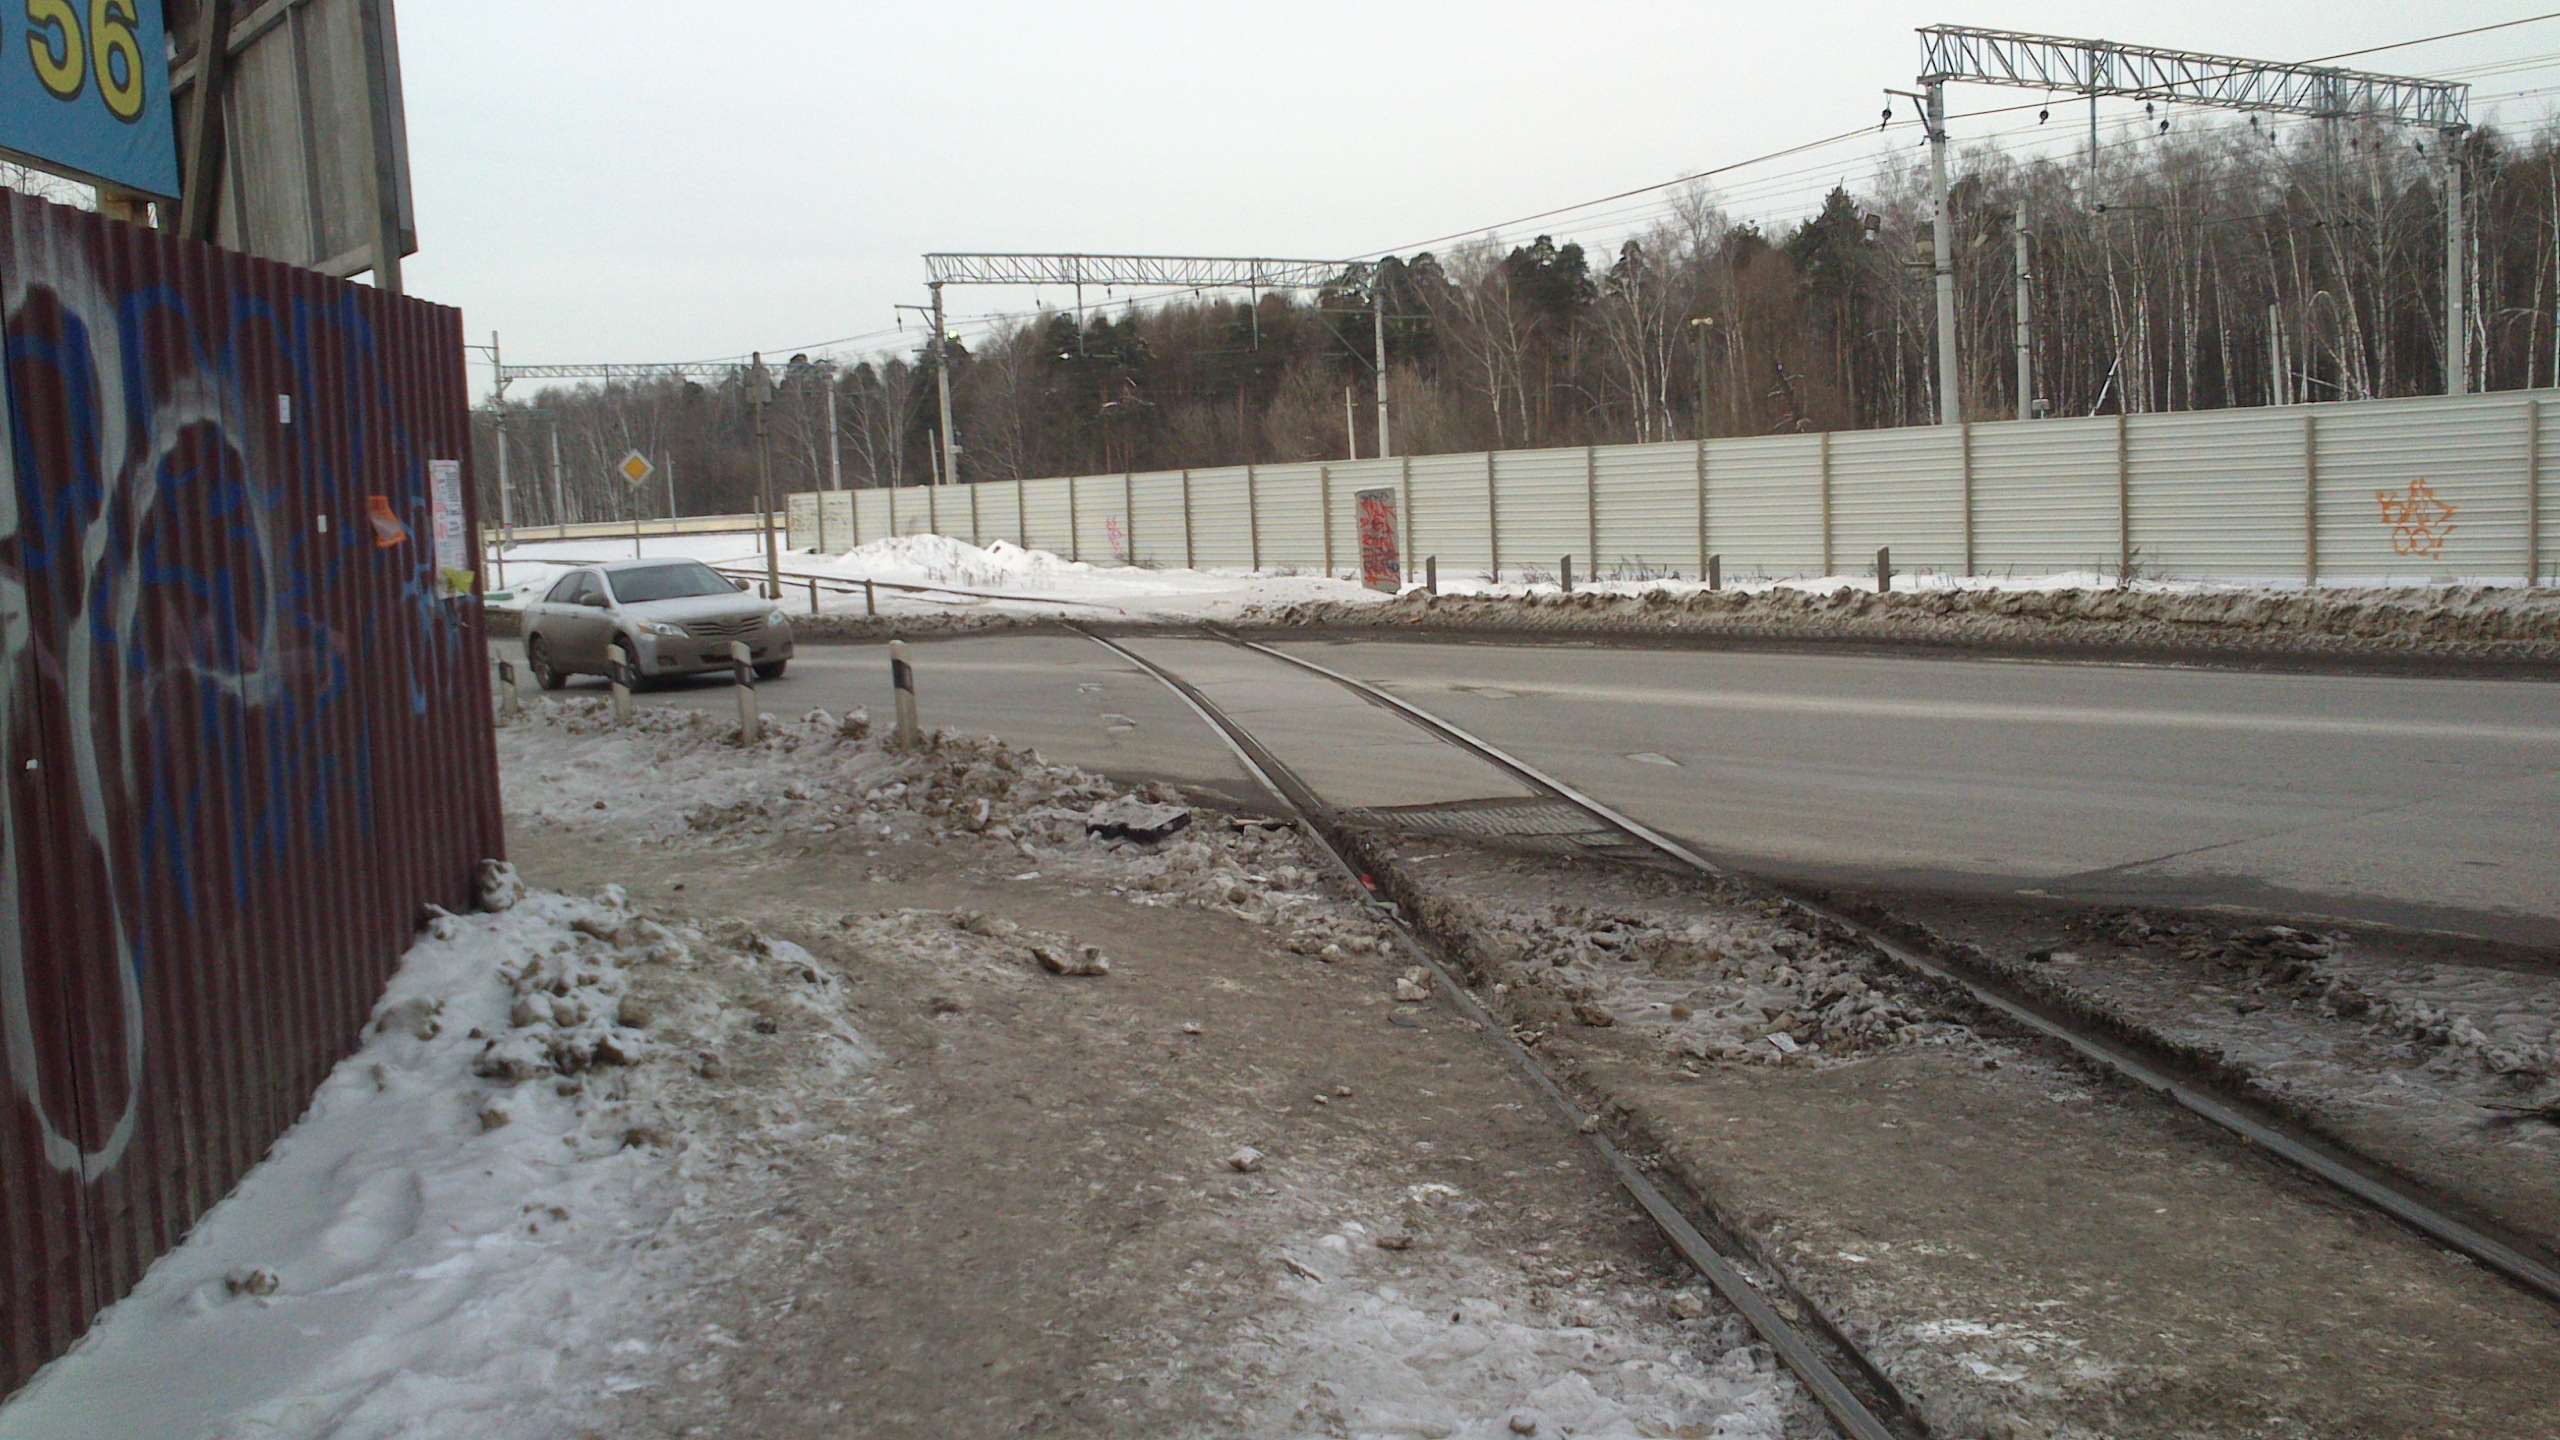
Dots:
pixel 674 617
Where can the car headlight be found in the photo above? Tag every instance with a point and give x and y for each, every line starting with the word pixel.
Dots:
pixel 777 618
pixel 669 632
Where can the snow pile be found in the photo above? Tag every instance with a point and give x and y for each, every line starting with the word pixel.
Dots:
pixel 942 560
pixel 2457 620
pixel 566 761
pixel 465 1211
pixel 1730 988
pixel 1462 1350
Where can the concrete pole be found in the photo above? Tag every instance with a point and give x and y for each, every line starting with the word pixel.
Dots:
pixel 2026 328
pixel 2457 331
pixel 1350 426
pixel 1942 259
pixel 835 446
pixel 759 394
pixel 1378 287
pixel 506 502
pixel 942 379
pixel 559 504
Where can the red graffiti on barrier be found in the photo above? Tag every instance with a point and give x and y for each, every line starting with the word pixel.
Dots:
pixel 1119 540
pixel 2420 520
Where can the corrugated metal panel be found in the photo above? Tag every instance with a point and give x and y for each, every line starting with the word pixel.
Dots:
pixel 1449 514
pixel 2413 494
pixel 284 745
pixel 1648 511
pixel 1046 516
pixel 1764 504
pixel 835 522
pixel 871 515
pixel 2216 494
pixel 1102 518
pixel 1221 527
pixel 1155 518
pixel 2546 542
pixel 1342 521
pixel 1292 499
pixel 1903 488
pixel 1546 509
pixel 800 516
pixel 2044 496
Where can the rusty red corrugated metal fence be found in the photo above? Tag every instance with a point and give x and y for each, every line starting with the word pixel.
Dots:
pixel 244 728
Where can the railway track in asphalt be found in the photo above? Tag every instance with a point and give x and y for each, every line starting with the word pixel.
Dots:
pixel 1848 1384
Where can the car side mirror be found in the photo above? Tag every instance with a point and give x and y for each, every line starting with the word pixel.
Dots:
pixel 737 584
pixel 593 601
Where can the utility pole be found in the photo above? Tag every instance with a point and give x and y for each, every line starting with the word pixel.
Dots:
pixel 1942 259
pixel 506 506
pixel 942 381
pixel 2026 327
pixel 559 490
pixel 671 481
pixel 835 447
pixel 1350 427
pixel 1704 327
pixel 759 395
pixel 1378 296
pixel 2457 332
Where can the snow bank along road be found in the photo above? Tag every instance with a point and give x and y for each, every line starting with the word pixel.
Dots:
pixel 2419 803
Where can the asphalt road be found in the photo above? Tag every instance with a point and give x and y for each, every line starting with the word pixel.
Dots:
pixel 2417 802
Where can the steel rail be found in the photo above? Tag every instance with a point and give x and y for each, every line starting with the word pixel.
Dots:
pixel 1822 1379
pixel 2532 1272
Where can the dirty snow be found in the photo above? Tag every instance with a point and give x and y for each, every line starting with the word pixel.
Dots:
pixel 453 1238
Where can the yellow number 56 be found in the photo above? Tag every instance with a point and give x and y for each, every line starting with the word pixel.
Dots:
pixel 61 49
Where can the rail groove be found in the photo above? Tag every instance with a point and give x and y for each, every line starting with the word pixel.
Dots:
pixel 2535 1273
pixel 1849 1388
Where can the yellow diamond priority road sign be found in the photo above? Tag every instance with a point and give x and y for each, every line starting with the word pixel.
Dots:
pixel 635 467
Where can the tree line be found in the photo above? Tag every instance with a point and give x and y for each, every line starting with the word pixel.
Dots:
pixel 2210 267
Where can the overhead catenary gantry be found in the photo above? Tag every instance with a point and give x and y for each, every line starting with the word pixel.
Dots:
pixel 1170 272
pixel 2102 69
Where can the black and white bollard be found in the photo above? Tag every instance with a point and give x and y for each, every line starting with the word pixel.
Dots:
pixel 1884 569
pixel 742 673
pixel 510 699
pixel 1715 572
pixel 622 677
pixel 1564 574
pixel 902 677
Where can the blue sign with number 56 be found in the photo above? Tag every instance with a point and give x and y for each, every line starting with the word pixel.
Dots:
pixel 84 87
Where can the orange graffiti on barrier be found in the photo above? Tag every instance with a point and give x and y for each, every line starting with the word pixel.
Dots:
pixel 2420 520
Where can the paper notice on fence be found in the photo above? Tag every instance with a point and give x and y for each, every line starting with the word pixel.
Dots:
pixel 444 509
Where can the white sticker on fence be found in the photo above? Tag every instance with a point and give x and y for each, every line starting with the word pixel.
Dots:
pixel 444 511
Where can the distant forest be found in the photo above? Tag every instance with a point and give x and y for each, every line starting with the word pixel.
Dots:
pixel 2225 266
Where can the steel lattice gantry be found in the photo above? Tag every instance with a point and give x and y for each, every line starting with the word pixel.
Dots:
pixel 2101 68
pixel 1207 272
pixel 1175 272
pixel 2139 72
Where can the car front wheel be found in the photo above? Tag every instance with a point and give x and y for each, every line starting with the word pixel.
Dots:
pixel 771 669
pixel 537 658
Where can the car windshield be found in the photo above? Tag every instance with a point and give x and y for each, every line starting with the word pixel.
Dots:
pixel 668 582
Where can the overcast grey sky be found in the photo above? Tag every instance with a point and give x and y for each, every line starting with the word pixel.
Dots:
pixel 673 180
